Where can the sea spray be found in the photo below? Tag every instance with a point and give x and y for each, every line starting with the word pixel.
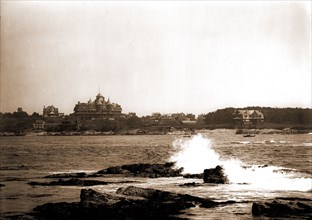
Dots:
pixel 196 154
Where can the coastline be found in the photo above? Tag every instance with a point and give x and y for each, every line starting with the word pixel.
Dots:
pixel 147 132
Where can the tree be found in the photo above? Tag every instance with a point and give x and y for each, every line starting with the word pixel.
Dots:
pixel 221 116
pixel 35 115
pixel 8 115
pixel 20 115
pixel 134 122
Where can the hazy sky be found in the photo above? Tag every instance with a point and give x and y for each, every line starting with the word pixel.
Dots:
pixel 155 56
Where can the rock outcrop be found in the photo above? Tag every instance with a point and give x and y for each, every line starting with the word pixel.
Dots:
pixel 215 175
pixel 167 197
pixel 282 208
pixel 74 182
pixel 67 175
pixel 192 184
pixel 144 170
pixel 194 176
pixel 129 203
pixel 69 182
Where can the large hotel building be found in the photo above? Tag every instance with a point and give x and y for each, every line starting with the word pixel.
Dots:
pixel 97 109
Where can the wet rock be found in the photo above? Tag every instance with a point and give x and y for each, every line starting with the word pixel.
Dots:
pixel 129 203
pixel 62 210
pixel 70 182
pixel 147 193
pixel 95 205
pixel 67 175
pixel 192 184
pixel 215 175
pixel 263 166
pixel 144 170
pixel 194 176
pixel 279 208
pixel 92 199
pixel 164 196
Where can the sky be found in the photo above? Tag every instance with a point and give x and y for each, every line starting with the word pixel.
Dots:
pixel 155 56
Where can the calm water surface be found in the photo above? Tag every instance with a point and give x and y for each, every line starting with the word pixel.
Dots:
pixel 29 158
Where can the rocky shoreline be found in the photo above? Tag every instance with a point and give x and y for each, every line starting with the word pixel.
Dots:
pixel 146 132
pixel 284 207
pixel 81 133
pixel 132 202
pixel 272 131
pixel 126 203
pixel 145 203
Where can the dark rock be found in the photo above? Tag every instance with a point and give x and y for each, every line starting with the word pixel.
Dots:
pixel 159 195
pixel 92 199
pixel 67 175
pixel 215 175
pixel 279 208
pixel 62 210
pixel 2 185
pixel 144 170
pixel 94 205
pixel 194 176
pixel 263 166
pixel 130 203
pixel 147 193
pixel 70 182
pixel 117 170
pixel 17 216
pixel 192 184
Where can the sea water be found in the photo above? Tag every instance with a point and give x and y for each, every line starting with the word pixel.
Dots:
pixel 258 168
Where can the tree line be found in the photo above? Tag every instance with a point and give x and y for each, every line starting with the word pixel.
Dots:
pixel 294 116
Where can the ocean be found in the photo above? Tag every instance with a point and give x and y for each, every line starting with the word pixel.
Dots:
pixel 262 167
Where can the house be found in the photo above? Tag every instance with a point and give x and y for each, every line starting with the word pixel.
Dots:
pixel 39 125
pixel 51 111
pixel 100 108
pixel 246 116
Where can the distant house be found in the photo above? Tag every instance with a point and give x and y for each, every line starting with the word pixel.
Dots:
pixel 51 111
pixel 69 124
pixel 39 125
pixel 100 108
pixel 247 116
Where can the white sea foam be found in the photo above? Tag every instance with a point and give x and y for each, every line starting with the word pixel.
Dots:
pixel 307 144
pixel 196 154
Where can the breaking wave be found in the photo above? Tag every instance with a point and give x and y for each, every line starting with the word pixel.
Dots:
pixel 196 154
